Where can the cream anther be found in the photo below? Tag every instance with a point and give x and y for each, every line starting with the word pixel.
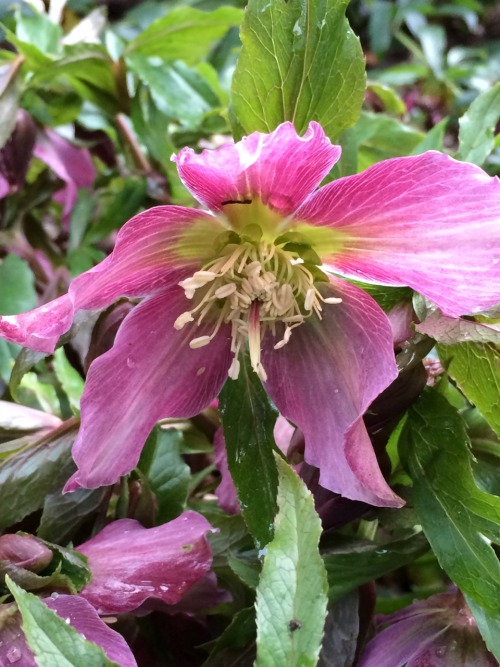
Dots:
pixel 182 320
pixel 200 342
pixel 252 287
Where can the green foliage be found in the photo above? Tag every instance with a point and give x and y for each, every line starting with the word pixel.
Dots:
pixel 299 62
pixel 459 520
pixel 248 419
pixel 477 127
pixel 476 370
pixel 28 475
pixel 291 595
pixel 52 640
pixel 167 473
pixel 185 33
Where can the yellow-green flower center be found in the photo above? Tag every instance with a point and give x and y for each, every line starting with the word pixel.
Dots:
pixel 254 285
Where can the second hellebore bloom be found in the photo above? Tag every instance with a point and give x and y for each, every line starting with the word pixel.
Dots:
pixel 263 267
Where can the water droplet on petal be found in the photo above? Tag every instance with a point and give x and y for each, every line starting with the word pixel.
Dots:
pixel 13 654
pixel 131 362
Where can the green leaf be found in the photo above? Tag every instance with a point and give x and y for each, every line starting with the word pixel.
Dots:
pixel 300 61
pixel 64 514
pixel 475 367
pixel 167 472
pixel 38 30
pixel 291 595
pixel 122 199
pixel 26 477
pixel 357 564
pixel 488 627
pixel 70 379
pixel 381 137
pixel 185 33
pixel 52 640
pixel 180 92
pixel 389 98
pixel 9 97
pixel 18 286
pixel 477 126
pixel 248 419
pixel 459 520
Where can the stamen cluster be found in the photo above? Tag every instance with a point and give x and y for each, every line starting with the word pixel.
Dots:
pixel 253 286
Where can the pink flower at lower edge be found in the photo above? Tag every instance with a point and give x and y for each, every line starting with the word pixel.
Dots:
pixel 253 271
pixel 131 564
pixel 438 632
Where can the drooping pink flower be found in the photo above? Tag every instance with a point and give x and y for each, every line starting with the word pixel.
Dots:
pixel 253 272
pixel 438 632
pixel 72 164
pixel 131 564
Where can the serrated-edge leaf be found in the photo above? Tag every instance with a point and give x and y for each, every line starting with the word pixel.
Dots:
pixel 475 367
pixel 300 61
pixel 477 125
pixel 51 639
pixel 459 519
pixel 292 592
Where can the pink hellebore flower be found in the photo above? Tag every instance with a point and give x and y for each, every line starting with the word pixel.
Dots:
pixel 438 632
pixel 131 564
pixel 254 270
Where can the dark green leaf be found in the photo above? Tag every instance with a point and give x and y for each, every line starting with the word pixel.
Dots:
pixel 300 61
pixel 476 370
pixel 459 520
pixel 185 33
pixel 52 640
pixel 238 635
pixel 70 379
pixel 355 565
pixel 166 471
pixel 248 420
pixel 64 514
pixel 291 595
pixel 26 477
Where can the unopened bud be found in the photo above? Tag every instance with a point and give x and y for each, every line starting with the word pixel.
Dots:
pixel 25 551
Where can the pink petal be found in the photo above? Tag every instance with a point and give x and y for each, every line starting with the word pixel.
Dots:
pixel 428 221
pixel 325 378
pixel 72 164
pixel 153 250
pixel 83 617
pixel 4 187
pixel 130 563
pixel 280 168
pixel 450 330
pixel 226 491
pixel 150 373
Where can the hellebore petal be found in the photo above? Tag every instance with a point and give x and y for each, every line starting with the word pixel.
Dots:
pixel 438 632
pixel 280 168
pixel 150 373
pixel 325 378
pixel 152 251
pixel 130 563
pixel 429 222
pixel 226 491
pixel 4 187
pixel 83 617
pixel 72 164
